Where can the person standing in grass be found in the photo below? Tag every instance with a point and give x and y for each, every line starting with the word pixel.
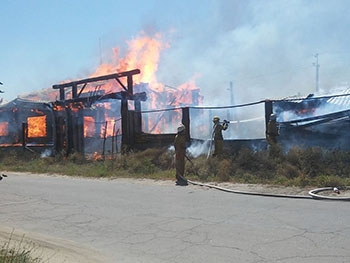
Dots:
pixel 217 134
pixel 180 153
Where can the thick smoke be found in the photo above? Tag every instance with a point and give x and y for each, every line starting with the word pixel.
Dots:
pixel 266 48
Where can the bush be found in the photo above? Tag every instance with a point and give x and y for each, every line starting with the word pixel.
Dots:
pixel 199 168
pixel 145 166
pixel 289 171
pixel 224 170
pixel 312 162
pixel 77 158
pixel 329 181
pixel 337 163
pixel 18 252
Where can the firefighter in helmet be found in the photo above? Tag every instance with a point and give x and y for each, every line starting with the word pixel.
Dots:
pixel 180 153
pixel 217 134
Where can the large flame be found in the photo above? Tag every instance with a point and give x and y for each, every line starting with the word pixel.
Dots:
pixel 36 126
pixel 143 53
pixel 89 126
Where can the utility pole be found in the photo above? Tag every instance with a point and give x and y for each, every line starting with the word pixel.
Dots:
pixel 317 72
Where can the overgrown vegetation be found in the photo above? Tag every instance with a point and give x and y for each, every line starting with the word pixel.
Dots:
pixel 298 167
pixel 17 252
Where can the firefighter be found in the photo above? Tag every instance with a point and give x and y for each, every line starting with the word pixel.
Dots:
pixel 217 134
pixel 272 130
pixel 180 153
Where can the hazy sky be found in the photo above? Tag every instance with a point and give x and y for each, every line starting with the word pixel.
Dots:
pixel 265 47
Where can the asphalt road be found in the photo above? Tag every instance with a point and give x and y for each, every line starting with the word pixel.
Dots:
pixel 145 221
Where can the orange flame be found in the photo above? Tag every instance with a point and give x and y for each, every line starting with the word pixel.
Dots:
pixel 143 52
pixel 89 126
pixel 4 128
pixel 36 126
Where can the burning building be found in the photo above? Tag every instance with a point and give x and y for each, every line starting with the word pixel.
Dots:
pixel 315 121
pixel 112 112
pixel 27 124
pixel 89 117
pixel 104 111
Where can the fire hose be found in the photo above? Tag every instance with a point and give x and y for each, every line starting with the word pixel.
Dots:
pixel 313 194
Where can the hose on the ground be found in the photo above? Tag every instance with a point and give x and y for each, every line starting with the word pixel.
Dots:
pixel 313 194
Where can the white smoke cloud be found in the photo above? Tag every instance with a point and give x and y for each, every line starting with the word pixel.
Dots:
pixel 266 48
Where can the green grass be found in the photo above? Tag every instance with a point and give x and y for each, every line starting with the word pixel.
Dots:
pixel 298 167
pixel 17 252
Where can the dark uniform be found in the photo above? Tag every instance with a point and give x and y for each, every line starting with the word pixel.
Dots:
pixel 180 152
pixel 217 134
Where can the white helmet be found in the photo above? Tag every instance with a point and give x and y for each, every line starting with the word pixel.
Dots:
pixel 216 118
pixel 273 117
pixel 181 128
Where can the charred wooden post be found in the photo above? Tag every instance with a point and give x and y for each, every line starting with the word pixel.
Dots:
pixel 80 131
pixel 113 139
pixel 137 117
pixel 104 141
pixel 131 129
pixel 62 94
pixel 130 88
pixel 268 112
pixel 61 131
pixel 61 134
pixel 24 134
pixel 186 122
pixel 125 122
pixel 74 90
